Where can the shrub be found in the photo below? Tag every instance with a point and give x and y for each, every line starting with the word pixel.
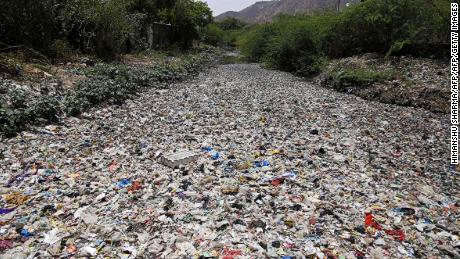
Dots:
pixel 187 16
pixel 12 121
pixel 114 84
pixel 28 22
pixel 253 43
pixel 393 27
pixel 341 79
pixel 4 121
pixel 104 27
pixel 213 35
pixel 18 99
pixel 46 107
pixel 75 104
pixel 302 43
pixel 94 91
pixel 231 24
pixel 111 27
pixel 61 50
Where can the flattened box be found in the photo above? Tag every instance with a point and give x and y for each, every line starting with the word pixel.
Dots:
pixel 174 160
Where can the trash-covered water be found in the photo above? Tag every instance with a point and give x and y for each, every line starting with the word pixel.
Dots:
pixel 285 170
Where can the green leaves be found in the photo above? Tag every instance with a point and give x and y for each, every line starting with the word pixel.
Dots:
pixel 392 27
pixel 188 17
pixel 104 84
pixel 115 83
pixel 358 77
pixel 106 28
pixel 231 23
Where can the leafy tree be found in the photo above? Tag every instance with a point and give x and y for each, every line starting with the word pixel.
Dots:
pixel 188 17
pixel 213 35
pixel 392 27
pixel 231 23
pixel 103 27
pixel 28 22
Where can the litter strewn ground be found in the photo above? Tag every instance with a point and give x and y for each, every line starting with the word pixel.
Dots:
pixel 285 170
pixel 415 82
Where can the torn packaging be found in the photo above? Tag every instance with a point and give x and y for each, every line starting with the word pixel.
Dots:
pixel 174 160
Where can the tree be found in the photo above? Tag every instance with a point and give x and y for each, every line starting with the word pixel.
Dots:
pixel 188 17
pixel 28 23
pixel 231 23
pixel 104 27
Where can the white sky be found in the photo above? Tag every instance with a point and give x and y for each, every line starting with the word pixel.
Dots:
pixel 221 6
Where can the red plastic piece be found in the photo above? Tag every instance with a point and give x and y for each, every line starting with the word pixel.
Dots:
pixel 397 233
pixel 370 222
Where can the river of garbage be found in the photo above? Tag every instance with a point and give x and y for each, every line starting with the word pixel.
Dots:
pixel 274 167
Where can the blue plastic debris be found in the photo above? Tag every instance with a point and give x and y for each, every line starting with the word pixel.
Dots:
pixel 261 164
pixel 25 233
pixel 215 155
pixel 123 183
pixel 6 211
pixel 207 149
pixel 181 195
pixel 143 144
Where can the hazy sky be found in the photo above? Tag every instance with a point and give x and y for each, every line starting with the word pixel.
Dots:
pixel 221 6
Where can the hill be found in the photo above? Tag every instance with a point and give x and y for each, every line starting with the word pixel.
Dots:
pixel 265 11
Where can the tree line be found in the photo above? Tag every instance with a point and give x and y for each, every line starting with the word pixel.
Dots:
pixel 304 43
pixel 105 28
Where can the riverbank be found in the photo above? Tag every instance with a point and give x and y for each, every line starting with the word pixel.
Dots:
pixel 284 168
pixel 405 81
pixel 34 93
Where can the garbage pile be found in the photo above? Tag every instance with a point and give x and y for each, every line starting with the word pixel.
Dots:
pixel 407 81
pixel 241 162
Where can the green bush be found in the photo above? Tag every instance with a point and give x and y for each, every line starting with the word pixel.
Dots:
pixel 213 35
pixel 12 121
pixel 4 122
pixel 392 27
pixel 111 27
pixel 46 108
pixel 289 43
pixel 340 79
pixel 24 110
pixel 231 24
pixel 302 43
pixel 105 28
pixel 253 42
pixel 114 84
pixel 104 84
pixel 61 50
pixel 18 99
pixel 30 23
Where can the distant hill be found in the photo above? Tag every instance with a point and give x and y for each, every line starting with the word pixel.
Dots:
pixel 266 10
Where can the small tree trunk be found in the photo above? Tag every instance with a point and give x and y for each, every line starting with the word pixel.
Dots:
pixel 338 6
